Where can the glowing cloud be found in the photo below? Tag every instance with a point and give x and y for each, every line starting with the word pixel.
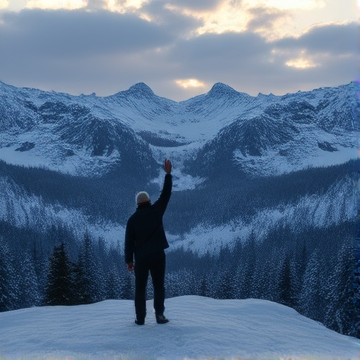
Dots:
pixel 189 83
pixel 301 63
pixel 287 4
pixel 125 6
pixel 56 4
pixel 228 16
pixel 4 4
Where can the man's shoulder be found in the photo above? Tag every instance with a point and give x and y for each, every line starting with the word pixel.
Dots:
pixel 131 217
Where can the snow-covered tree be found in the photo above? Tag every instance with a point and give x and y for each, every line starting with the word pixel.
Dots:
pixel 8 279
pixel 113 284
pixel 343 300
pixel 311 299
pixel 29 294
pixel 93 280
pixel 285 282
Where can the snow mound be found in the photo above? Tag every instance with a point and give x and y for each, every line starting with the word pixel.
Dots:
pixel 199 328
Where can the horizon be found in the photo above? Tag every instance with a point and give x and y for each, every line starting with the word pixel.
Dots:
pixel 357 81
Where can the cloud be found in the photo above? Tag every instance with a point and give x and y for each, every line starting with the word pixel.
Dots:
pixel 71 34
pixel 198 5
pixel 287 5
pixel 96 4
pixel 4 4
pixel 265 20
pixel 249 63
pixel 170 21
pixel 82 51
pixel 334 39
pixel 56 4
pixel 190 83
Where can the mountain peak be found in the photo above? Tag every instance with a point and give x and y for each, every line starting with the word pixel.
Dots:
pixel 220 88
pixel 141 88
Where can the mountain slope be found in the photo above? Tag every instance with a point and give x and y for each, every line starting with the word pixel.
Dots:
pixel 237 158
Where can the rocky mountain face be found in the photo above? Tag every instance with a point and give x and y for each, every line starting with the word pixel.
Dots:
pixel 79 160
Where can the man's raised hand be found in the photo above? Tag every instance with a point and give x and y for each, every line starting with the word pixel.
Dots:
pixel 167 166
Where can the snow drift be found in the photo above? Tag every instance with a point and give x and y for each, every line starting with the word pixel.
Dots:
pixel 199 328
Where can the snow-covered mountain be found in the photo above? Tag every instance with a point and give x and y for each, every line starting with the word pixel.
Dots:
pixel 199 328
pixel 224 143
pixel 86 135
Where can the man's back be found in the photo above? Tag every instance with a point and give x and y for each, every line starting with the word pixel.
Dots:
pixel 144 231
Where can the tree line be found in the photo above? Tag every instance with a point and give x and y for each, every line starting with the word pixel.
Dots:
pixel 315 271
pixel 71 273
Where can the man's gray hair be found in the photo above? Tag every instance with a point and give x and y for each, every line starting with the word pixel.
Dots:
pixel 142 197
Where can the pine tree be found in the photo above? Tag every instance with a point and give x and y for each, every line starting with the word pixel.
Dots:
pixel 203 286
pixel 113 284
pixel 127 286
pixel 285 283
pixel 29 294
pixel 59 287
pixel 90 282
pixel 261 278
pixel 297 269
pixel 41 266
pixel 312 295
pixel 8 279
pixel 271 274
pixel 225 286
pixel 81 287
pixel 343 301
pixel 246 271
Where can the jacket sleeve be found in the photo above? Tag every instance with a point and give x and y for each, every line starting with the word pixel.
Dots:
pixel 129 244
pixel 165 193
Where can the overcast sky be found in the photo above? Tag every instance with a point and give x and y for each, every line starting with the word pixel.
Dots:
pixel 180 48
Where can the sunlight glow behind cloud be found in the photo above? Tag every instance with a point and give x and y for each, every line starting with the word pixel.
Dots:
pixel 287 4
pixel 190 83
pixel 301 63
pixel 110 5
pixel 276 20
pixel 56 4
pixel 227 17
pixel 4 4
pixel 125 6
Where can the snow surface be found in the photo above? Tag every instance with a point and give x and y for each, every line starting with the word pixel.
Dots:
pixel 199 328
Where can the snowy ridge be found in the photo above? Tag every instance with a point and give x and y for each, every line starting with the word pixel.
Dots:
pixel 335 206
pixel 199 328
pixel 26 211
pixel 328 114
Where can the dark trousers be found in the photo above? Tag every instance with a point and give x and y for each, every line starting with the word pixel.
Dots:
pixel 155 264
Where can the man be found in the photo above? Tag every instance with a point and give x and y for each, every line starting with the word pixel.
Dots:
pixel 145 241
